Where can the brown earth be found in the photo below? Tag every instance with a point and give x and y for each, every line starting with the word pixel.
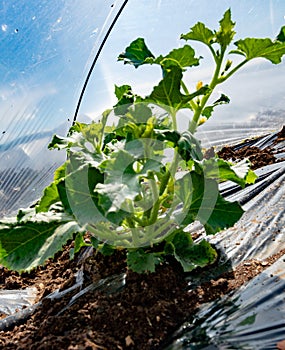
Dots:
pixel 258 157
pixel 140 313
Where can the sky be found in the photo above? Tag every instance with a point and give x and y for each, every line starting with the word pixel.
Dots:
pixel 48 46
pixel 162 22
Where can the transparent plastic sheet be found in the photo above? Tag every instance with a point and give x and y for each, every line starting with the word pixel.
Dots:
pixel 252 317
pixel 14 318
pixel 47 50
pixel 13 300
pixel 107 285
pixel 259 233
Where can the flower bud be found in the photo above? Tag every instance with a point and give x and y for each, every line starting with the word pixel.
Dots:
pixel 202 120
pixel 199 85
pixel 228 65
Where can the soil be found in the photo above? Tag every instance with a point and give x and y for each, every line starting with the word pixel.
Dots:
pixel 258 157
pixel 132 311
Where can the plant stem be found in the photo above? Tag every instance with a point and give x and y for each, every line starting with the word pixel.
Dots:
pixel 155 197
pixel 135 236
pixel 173 117
pixel 231 72
pixel 131 223
pixel 214 82
pixel 193 104
pixel 102 233
pixel 156 230
pixel 173 166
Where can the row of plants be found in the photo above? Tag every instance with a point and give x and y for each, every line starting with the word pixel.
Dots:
pixel 133 180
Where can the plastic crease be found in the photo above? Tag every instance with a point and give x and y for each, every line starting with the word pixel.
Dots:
pixel 252 317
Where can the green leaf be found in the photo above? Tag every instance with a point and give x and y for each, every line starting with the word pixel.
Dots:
pixel 219 169
pixel 106 249
pixel 167 94
pixel 59 142
pixel 136 53
pixel 203 34
pixel 172 136
pixel 281 35
pixel 190 255
pixel 94 241
pixel 77 127
pixel 182 58
pixel 87 137
pixel 242 170
pixel 140 113
pixel 80 197
pixel 226 33
pixel 27 244
pixel 63 195
pixel 125 97
pixel 223 99
pixel 122 184
pixel 207 111
pixel 251 177
pixel 248 321
pixel 51 195
pixel 189 147
pixel 190 190
pixel 224 215
pixel 93 132
pixel 202 201
pixel 200 33
pixel 264 48
pixel 79 242
pixel 73 138
pixel 122 91
pixel 199 255
pixel 59 173
pixel 118 166
pixel 141 262
pixel 113 196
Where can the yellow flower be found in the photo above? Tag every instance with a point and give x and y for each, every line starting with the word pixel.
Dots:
pixel 202 120
pixel 199 85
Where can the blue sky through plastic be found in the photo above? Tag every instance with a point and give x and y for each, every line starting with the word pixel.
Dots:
pixel 46 48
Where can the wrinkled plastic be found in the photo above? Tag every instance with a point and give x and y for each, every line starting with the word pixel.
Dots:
pixel 22 314
pixel 13 300
pixel 19 304
pixel 107 285
pixel 252 317
pixel 32 109
pixel 47 49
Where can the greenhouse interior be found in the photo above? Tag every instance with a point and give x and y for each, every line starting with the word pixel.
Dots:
pixel 142 171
